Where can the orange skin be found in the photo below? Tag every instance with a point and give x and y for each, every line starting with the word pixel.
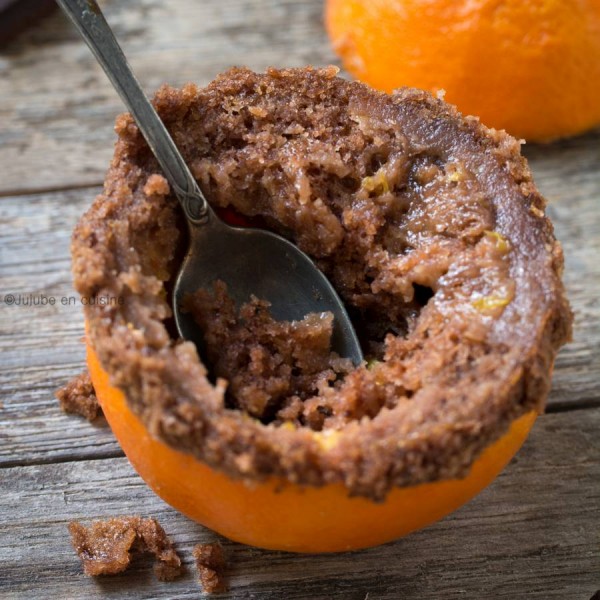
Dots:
pixel 531 67
pixel 282 516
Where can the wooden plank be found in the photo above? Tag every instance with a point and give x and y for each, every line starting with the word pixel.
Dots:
pixel 41 346
pixel 534 533
pixel 58 109
pixel 568 174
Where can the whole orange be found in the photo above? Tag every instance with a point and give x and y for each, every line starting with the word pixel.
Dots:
pixel 531 67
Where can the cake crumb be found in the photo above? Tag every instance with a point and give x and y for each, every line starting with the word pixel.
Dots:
pixel 156 184
pixel 266 361
pixel 104 547
pixel 78 397
pixel 211 564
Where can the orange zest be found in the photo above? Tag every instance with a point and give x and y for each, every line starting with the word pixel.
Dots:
pixel 278 515
pixel 530 67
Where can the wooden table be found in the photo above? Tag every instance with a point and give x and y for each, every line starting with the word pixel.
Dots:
pixel 535 533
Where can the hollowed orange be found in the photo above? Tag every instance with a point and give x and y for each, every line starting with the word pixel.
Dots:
pixel 278 515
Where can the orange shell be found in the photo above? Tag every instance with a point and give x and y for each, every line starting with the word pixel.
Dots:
pixel 279 515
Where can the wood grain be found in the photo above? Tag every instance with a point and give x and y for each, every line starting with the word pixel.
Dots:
pixel 532 534
pixel 41 346
pixel 535 533
pixel 56 129
pixel 568 174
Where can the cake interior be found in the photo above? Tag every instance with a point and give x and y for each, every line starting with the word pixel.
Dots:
pixel 406 233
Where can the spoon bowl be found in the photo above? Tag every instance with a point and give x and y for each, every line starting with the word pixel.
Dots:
pixel 255 262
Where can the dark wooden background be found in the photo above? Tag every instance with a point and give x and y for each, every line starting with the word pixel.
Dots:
pixel 535 533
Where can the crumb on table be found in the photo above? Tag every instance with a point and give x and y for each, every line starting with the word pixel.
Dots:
pixel 211 564
pixel 78 397
pixel 104 547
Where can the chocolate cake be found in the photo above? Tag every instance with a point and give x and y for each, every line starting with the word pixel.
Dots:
pixel 427 223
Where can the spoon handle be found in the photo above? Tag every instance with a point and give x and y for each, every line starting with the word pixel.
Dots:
pixel 91 24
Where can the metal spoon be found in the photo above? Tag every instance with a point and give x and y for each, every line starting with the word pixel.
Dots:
pixel 249 261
